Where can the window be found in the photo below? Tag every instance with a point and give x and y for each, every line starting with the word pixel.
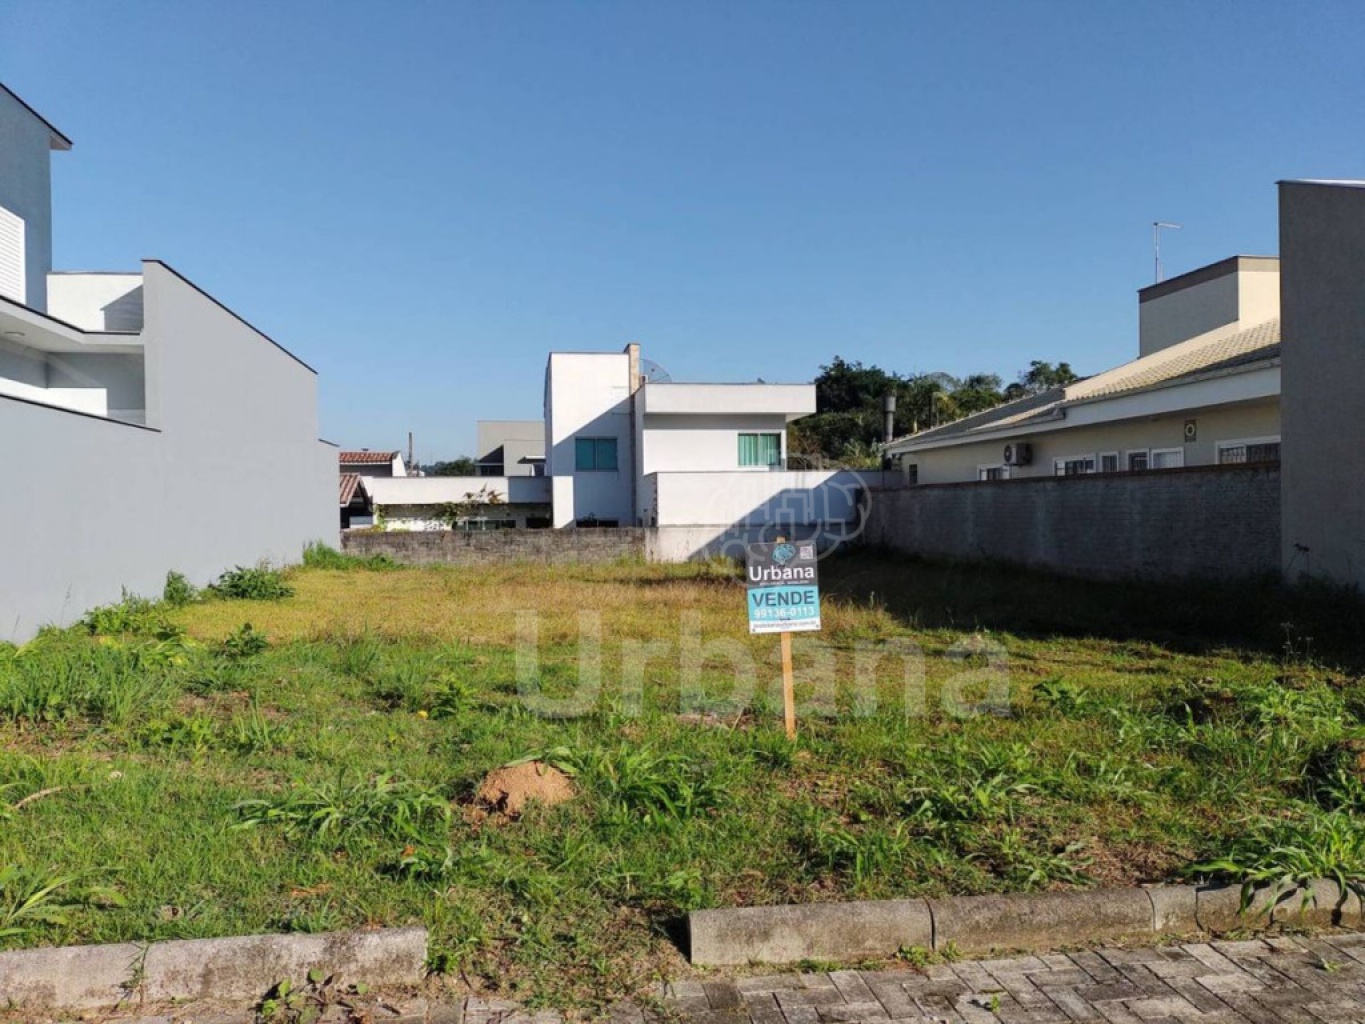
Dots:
pixel 1073 465
pixel 1168 458
pixel 12 256
pixel 1109 462
pixel 490 469
pixel 992 472
pixel 1256 449
pixel 760 449
pixel 1137 461
pixel 595 455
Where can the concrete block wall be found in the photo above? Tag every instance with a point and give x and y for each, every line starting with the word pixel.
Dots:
pixel 452 547
pixel 1220 522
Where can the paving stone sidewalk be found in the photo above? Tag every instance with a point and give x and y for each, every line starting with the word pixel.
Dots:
pixel 1314 981
pixel 1301 980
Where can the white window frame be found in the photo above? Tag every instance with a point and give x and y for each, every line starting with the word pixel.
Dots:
pixel 1118 462
pixel 1151 457
pixel 981 472
pixel 1146 453
pixel 1059 464
pixel 1241 442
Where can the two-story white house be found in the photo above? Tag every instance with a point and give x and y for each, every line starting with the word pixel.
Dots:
pixel 703 464
pixel 144 426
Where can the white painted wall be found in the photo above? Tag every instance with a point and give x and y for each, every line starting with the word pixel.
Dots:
pixel 756 499
pixel 119 376
pixel 789 400
pixel 96 302
pixel 587 394
pixel 232 473
pixel 94 401
pixel 673 443
pixel 437 490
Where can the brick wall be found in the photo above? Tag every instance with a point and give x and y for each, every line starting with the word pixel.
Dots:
pixel 450 547
pixel 1202 522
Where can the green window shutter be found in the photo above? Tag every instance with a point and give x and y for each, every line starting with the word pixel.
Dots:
pixel 606 454
pixel 748 450
pixel 585 455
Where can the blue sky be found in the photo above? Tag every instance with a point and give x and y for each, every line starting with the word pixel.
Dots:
pixel 422 199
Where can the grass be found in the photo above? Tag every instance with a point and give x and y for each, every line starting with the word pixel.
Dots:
pixel 302 762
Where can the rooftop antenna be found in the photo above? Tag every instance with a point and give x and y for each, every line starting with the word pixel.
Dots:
pixel 1157 225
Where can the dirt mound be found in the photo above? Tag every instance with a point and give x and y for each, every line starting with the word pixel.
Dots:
pixel 507 791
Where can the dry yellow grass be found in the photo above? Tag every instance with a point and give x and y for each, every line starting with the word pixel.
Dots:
pixel 480 605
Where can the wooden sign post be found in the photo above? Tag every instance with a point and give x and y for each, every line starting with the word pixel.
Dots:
pixel 784 598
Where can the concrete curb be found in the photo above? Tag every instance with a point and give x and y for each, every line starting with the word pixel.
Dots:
pixel 811 931
pixel 979 924
pixel 245 967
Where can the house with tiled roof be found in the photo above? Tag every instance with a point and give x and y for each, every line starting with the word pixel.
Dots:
pixel 369 463
pixel 1204 391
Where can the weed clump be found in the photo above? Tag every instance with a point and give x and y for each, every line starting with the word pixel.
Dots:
pixel 319 556
pixel 179 591
pixel 258 583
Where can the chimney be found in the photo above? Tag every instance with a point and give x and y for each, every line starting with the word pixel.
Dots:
pixel 889 414
pixel 633 354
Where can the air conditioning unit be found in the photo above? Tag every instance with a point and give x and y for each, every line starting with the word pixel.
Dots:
pixel 1018 453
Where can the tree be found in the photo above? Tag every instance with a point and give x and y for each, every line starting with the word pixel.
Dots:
pixel 851 387
pixel 463 466
pixel 474 504
pixel 1041 376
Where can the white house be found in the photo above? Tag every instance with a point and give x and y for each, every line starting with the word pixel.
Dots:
pixel 1203 391
pixel 145 426
pixel 704 464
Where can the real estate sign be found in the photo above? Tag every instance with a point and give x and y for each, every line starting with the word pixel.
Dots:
pixel 783 587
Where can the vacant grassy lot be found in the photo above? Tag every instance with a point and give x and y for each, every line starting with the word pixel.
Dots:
pixel 171 772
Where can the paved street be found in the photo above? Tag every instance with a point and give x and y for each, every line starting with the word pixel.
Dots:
pixel 1308 981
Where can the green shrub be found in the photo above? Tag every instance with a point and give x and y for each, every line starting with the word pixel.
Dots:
pixel 179 591
pixel 132 615
pixel 259 583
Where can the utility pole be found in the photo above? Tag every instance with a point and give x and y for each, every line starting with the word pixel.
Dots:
pixel 1157 225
